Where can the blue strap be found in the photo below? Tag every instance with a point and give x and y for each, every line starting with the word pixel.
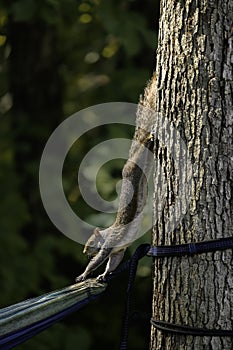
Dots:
pixel 191 248
pixel 173 328
pixel 140 252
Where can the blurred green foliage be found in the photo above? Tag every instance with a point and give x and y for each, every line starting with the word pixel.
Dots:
pixel 58 57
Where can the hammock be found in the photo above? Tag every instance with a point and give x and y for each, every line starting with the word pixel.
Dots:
pixel 23 320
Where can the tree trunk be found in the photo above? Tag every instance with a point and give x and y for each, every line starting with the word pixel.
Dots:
pixel 194 95
pixel 36 89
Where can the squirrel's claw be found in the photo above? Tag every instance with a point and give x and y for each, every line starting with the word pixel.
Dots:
pixel 80 278
pixel 101 278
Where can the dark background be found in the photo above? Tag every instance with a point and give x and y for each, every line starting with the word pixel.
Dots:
pixel 58 57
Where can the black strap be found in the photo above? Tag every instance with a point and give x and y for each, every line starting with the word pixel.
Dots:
pixel 187 330
pixel 191 248
pixel 166 251
pixel 140 252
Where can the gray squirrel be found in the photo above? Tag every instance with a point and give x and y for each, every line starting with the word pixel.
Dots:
pixel 111 243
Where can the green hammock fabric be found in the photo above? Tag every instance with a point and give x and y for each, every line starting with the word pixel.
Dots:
pixel 44 310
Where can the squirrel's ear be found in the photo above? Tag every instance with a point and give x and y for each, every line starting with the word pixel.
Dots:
pixel 96 231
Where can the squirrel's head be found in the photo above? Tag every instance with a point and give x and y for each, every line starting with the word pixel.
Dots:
pixel 94 243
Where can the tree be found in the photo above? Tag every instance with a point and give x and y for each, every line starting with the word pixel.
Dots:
pixel 194 93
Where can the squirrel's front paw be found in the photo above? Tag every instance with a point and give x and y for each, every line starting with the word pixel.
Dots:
pixel 80 278
pixel 102 278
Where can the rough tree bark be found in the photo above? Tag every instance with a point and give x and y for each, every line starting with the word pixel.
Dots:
pixel 194 92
